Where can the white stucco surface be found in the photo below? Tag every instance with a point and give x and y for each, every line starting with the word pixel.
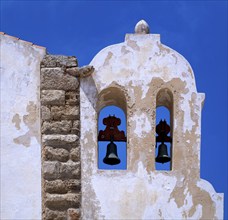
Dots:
pixel 20 129
pixel 139 75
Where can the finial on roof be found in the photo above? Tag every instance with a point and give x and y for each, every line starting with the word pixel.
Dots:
pixel 142 27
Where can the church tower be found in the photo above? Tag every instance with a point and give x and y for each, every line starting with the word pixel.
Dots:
pixel 139 76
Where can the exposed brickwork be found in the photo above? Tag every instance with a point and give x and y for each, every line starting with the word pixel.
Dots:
pixel 60 128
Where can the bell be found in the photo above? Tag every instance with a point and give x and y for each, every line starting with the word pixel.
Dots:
pixel 111 157
pixel 163 156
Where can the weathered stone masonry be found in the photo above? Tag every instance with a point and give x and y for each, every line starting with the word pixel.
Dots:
pixel 60 131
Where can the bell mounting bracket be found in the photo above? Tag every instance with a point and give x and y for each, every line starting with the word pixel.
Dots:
pixel 111 132
pixel 163 129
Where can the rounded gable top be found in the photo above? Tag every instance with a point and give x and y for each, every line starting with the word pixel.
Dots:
pixel 141 57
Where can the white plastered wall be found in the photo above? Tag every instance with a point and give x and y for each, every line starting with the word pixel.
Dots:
pixel 20 129
pixel 140 67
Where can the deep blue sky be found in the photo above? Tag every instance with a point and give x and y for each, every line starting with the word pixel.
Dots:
pixel 196 29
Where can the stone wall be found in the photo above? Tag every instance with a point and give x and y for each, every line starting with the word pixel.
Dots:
pixel 60 130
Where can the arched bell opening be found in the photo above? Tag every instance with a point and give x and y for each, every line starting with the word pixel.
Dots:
pixel 164 130
pixel 112 130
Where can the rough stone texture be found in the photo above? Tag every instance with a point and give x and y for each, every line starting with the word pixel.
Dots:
pixel 57 215
pixel 62 186
pixel 59 61
pixel 56 170
pixel 72 98
pixel 76 127
pixel 57 127
pixel 53 97
pixel 61 80
pixel 75 154
pixel 59 139
pixel 57 154
pixel 84 71
pixel 62 201
pixel 60 114
pixel 65 113
pixel 45 113
pixel 73 214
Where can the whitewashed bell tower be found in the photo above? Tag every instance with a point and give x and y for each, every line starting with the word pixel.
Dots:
pixel 139 75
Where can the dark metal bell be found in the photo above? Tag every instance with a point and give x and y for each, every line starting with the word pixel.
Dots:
pixel 111 157
pixel 163 156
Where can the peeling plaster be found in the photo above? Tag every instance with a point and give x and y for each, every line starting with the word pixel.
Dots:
pixel 16 119
pixel 124 50
pixel 30 120
pixel 108 58
pixel 149 74
pixel 133 45
pixel 142 124
pixel 20 123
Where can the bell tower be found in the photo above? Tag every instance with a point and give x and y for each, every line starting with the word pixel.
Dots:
pixel 139 75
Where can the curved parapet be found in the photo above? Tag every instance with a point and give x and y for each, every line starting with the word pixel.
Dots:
pixel 141 57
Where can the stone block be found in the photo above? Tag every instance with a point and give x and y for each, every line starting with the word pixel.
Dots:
pixel 58 154
pixel 62 202
pixel 57 215
pixel 65 113
pixel 56 79
pixel 45 113
pixel 56 127
pixel 59 140
pixel 72 98
pixel 75 154
pixel 57 112
pixel 59 61
pixel 53 97
pixel 76 127
pixel 70 170
pixel 82 72
pixel 62 186
pixel 53 170
pixel 73 214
